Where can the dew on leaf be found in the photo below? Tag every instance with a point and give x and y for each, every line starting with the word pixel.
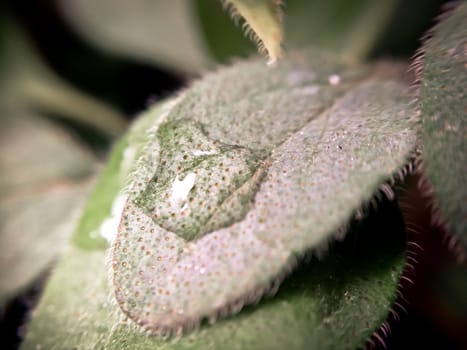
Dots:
pixel 237 182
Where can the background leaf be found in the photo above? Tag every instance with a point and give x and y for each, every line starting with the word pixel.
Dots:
pixel 42 184
pixel 155 31
pixel 27 82
pixel 348 28
pixel 223 38
pixel 263 22
pixel 442 101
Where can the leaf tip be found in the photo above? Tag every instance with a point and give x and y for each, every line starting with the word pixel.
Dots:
pixel 263 24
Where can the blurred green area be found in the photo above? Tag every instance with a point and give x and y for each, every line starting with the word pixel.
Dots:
pixel 69 85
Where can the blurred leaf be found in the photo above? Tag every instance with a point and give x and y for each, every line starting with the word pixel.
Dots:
pixel 27 83
pixel 443 107
pixel 223 38
pixel 348 28
pixel 401 36
pixel 36 153
pixel 42 184
pixel 263 22
pixel 333 304
pixel 185 35
pixel 34 230
pixel 155 31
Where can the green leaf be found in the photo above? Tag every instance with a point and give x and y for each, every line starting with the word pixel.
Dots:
pixel 102 208
pixel 27 83
pixel 43 182
pixel 263 21
pixel 155 31
pixel 35 153
pixel 442 101
pixel 335 303
pixel 222 37
pixel 348 28
pixel 243 175
pixel 200 31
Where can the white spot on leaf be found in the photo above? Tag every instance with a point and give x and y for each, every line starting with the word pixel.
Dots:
pixel 180 190
pixel 109 227
pixel 334 79
pixel 200 152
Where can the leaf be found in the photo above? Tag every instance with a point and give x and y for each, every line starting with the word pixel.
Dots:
pixel 49 156
pixel 243 175
pixel 263 21
pixel 200 31
pixel 442 102
pixel 27 83
pixel 104 202
pixel 158 32
pixel 329 304
pixel 42 184
pixel 348 28
pixel 222 37
pixel 34 230
pixel 401 35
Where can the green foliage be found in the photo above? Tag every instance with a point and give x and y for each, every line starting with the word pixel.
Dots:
pixel 156 31
pixel 44 170
pixel 27 83
pixel 236 191
pixel 111 182
pixel 203 228
pixel 331 304
pixel 39 196
pixel 348 28
pixel 201 33
pixel 263 22
pixel 442 101
pixel 223 39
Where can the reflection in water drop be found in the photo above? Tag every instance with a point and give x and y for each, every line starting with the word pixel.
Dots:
pixel 180 190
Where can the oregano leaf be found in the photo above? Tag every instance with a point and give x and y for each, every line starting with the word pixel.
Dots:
pixel 442 101
pixel 102 212
pixel 263 22
pixel 241 176
pixel 335 303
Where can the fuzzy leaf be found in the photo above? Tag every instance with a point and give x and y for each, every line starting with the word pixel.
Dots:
pixel 331 304
pixel 243 175
pixel 443 106
pixel 263 20
pixel 102 211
